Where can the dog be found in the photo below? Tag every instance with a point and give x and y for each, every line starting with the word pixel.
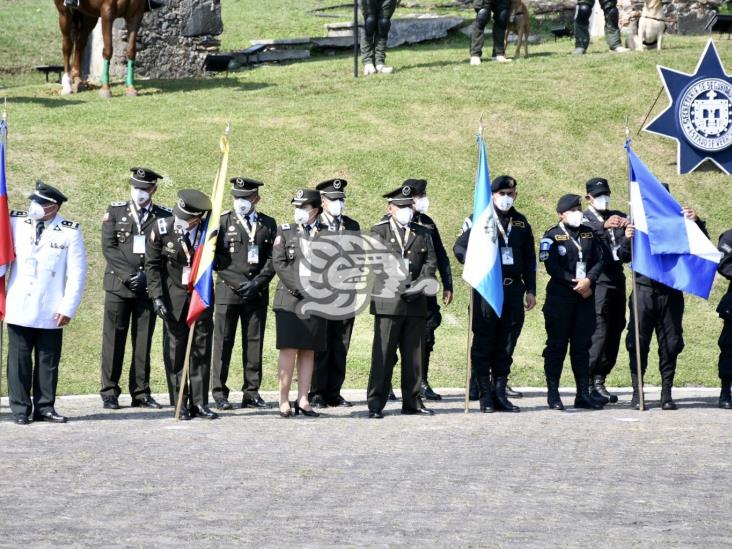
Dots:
pixel 518 23
pixel 651 26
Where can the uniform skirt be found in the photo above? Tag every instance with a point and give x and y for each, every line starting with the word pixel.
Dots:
pixel 293 332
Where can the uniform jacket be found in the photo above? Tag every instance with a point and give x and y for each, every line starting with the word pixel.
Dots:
pixel 286 255
pixel 345 223
pixel 118 231
pixel 47 278
pixel 232 264
pixel 725 269
pixel 165 262
pixel 422 264
pixel 612 272
pixel 560 256
pixel 443 260
pixel 521 241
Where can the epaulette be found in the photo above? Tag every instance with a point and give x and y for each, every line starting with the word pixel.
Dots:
pixel 69 224
pixel 518 224
pixel 285 226
pixel 164 208
pixel 118 204
pixel 18 213
pixel 162 227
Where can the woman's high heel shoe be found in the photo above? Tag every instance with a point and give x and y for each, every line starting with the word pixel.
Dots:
pixel 306 413
pixel 288 413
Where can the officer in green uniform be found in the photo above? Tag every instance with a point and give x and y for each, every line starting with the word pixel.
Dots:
pixel 377 22
pixel 582 25
pixel 168 262
pixel 399 320
pixel 244 266
pixel 330 365
pixel 501 10
pixel 126 228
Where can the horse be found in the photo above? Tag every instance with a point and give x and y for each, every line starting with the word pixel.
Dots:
pixel 76 25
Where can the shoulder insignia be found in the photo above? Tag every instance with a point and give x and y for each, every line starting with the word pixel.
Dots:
pixel 164 208
pixel 278 239
pixel 518 224
pixel 726 248
pixel 586 235
pixel 118 204
pixel 69 224
pixel 285 226
pixel 162 227
pixel 561 237
pixel 17 213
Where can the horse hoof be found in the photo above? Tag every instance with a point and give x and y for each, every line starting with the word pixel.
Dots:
pixel 105 93
pixel 66 91
pixel 131 92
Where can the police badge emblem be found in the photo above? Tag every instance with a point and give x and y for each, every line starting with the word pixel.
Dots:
pixel 337 184
pixel 699 116
pixel 406 191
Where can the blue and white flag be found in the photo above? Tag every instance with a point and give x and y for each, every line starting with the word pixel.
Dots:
pixel 668 247
pixel 482 260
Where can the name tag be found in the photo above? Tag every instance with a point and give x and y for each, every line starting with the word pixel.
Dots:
pixel 506 255
pixel 580 270
pixel 253 254
pixel 185 278
pixel 138 244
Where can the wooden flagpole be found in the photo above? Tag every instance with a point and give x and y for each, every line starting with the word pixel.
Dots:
pixel 355 38
pixel 184 375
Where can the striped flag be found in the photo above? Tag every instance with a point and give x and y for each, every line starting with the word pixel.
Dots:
pixel 202 268
pixel 7 252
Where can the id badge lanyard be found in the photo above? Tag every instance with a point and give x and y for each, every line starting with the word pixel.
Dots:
pixel 252 249
pixel 614 246
pixel 138 240
pixel 506 251
pixel 580 270
pixel 402 243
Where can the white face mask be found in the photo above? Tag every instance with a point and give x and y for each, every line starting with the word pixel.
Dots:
pixel 422 204
pixel 180 225
pixel 36 211
pixel 601 202
pixel 302 216
pixel 139 196
pixel 503 202
pixel 573 219
pixel 404 215
pixel 335 207
pixel 242 206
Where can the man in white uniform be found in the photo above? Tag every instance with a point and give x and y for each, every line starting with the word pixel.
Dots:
pixel 45 283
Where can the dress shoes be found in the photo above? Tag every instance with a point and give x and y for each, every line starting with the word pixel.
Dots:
pixel 51 416
pixel 318 402
pixel 110 403
pixel 203 412
pixel 392 395
pixel 185 415
pixel 340 401
pixel 145 401
pixel 304 412
pixel 223 404
pixel 510 393
pixel 427 392
pixel 21 419
pixel 376 414
pixel 422 411
pixel 255 401
pixel 669 405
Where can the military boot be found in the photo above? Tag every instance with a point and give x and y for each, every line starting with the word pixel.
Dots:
pixel 582 399
pixel 598 387
pixel 486 394
pixel 594 395
pixel 474 390
pixel 502 403
pixel 667 402
pixel 552 394
pixel 725 397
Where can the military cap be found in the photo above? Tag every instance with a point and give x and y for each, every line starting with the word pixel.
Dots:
pixel 142 178
pixel 597 186
pixel 418 186
pixel 244 186
pixel 191 203
pixel 401 196
pixel 503 182
pixel 307 196
pixel 45 194
pixel 332 188
pixel 569 201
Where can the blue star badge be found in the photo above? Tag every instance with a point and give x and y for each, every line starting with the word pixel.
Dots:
pixel 699 117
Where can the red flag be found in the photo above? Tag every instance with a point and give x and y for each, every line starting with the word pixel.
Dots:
pixel 7 252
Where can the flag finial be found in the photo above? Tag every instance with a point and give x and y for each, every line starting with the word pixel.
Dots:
pixel 5 110
pixel 480 124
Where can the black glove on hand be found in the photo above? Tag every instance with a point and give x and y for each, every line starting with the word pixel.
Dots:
pixel 296 293
pixel 161 309
pixel 247 290
pixel 137 282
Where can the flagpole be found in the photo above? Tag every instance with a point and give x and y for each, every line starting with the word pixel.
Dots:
pixel 355 38
pixel 2 322
pixel 636 329
pixel 184 376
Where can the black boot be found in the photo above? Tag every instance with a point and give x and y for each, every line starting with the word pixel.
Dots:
pixel 583 399
pixel 486 394
pixel 552 394
pixel 667 402
pixel 598 388
pixel 594 395
pixel 725 396
pixel 474 390
pixel 513 394
pixel 635 401
pixel 502 403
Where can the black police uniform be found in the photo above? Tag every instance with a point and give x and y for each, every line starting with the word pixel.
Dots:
pixel 660 308
pixel 494 337
pixel 168 261
pixel 244 267
pixel 125 231
pixel 569 318
pixel 609 294
pixel 330 365
pixel 725 312
pixel 399 322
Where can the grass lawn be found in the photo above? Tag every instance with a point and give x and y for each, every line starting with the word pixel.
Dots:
pixel 552 121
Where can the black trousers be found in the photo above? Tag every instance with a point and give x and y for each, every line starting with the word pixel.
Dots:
pixel 119 313
pixel 27 346
pixel 609 324
pixel 330 365
pixel 404 333
pixel 433 321
pixel 494 338
pixel 725 351
pixel 175 340
pixel 253 319
pixel 662 313
pixel 499 9
pixel 569 322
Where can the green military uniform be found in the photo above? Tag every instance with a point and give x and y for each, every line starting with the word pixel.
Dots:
pixel 125 229
pixel 377 22
pixel 244 267
pixel 582 16
pixel 501 13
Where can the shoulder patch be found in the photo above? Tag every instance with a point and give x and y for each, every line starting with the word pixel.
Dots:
pixel 162 227
pixel 518 224
pixel 544 245
pixel 69 224
pixel 17 213
pixel 285 226
pixel 585 235
pixel 561 237
pixel 118 204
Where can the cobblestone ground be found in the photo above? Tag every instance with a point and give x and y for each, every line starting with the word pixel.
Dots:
pixel 132 478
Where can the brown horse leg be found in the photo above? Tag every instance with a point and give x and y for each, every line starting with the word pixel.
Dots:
pixel 64 23
pixel 85 25
pixel 133 25
pixel 107 20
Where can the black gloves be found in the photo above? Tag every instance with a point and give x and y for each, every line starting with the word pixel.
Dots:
pixel 247 290
pixel 161 309
pixel 137 282
pixel 296 293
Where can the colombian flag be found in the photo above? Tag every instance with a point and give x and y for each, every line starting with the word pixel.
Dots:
pixel 202 268
pixel 7 253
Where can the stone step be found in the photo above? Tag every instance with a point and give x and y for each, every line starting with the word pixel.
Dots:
pixel 406 30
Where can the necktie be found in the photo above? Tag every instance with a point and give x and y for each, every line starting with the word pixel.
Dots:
pixel 307 229
pixel 40 226
pixel 143 215
pixel 249 223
